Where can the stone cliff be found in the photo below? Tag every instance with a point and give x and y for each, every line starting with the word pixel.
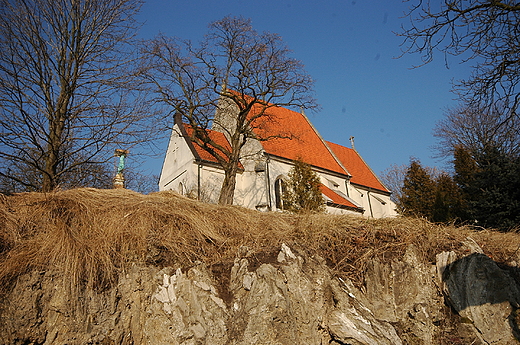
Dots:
pixel 285 292
pixel 290 298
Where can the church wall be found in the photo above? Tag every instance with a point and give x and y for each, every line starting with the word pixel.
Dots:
pixel 177 171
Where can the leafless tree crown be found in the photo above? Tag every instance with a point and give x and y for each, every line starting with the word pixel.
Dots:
pixel 235 69
pixel 475 129
pixel 67 89
pixel 486 32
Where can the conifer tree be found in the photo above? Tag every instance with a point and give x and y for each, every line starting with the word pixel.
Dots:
pixel 448 201
pixel 495 192
pixel 418 193
pixel 465 169
pixel 303 192
pixel 490 186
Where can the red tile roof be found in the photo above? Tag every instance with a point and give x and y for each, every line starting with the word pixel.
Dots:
pixel 299 139
pixel 336 198
pixel 215 136
pixel 360 171
pixel 292 136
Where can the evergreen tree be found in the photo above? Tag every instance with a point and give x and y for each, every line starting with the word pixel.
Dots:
pixel 448 201
pixel 490 183
pixel 465 169
pixel 494 195
pixel 303 192
pixel 418 193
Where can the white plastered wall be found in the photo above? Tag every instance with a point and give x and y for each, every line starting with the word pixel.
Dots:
pixel 251 187
pixel 254 189
pixel 177 169
pixel 280 169
pixel 376 204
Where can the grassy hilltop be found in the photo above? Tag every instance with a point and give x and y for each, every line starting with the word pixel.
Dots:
pixel 90 235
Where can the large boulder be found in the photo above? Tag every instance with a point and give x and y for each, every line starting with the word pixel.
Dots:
pixel 483 294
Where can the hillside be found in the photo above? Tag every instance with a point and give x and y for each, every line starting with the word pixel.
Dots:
pixel 91 247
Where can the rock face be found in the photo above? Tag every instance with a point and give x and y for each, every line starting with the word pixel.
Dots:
pixel 296 301
pixel 483 294
pixel 287 298
pixel 404 292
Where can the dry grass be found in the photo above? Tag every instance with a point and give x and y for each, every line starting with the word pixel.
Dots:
pixel 91 235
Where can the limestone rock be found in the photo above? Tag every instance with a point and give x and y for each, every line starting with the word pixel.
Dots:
pixel 404 291
pixel 298 302
pixel 351 322
pixel 485 295
pixel 291 298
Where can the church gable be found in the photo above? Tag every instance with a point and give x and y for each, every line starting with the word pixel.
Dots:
pixel 279 137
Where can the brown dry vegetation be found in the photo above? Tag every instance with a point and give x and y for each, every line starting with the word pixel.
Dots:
pixel 91 235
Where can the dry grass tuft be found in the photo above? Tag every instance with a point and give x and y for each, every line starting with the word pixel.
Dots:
pixel 91 235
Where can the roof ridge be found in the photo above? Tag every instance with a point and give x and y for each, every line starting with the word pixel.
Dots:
pixel 325 143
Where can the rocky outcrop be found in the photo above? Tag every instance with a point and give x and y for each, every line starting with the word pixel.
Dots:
pixel 286 297
pixel 295 300
pixel 404 292
pixel 483 294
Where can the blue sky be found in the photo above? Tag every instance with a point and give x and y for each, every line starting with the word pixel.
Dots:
pixel 350 49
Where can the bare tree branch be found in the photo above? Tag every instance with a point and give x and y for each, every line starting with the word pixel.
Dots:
pixel 475 129
pixel 233 67
pixel 68 91
pixel 485 32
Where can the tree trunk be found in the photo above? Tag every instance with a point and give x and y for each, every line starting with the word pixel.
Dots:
pixel 49 175
pixel 56 127
pixel 227 192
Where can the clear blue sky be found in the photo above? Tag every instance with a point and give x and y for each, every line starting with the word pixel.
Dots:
pixel 350 49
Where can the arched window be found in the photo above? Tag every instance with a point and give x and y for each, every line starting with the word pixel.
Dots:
pixel 279 190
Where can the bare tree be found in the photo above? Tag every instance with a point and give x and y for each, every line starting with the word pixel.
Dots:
pixel 67 90
pixel 476 129
pixel 486 32
pixel 393 178
pixel 234 66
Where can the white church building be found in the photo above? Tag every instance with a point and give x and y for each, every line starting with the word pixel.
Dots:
pixel 348 186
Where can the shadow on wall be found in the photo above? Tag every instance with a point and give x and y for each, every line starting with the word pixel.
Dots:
pixel 484 293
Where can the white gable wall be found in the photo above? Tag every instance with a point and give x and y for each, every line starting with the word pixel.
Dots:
pixel 177 171
pixel 375 203
pixel 382 206
pixel 180 173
